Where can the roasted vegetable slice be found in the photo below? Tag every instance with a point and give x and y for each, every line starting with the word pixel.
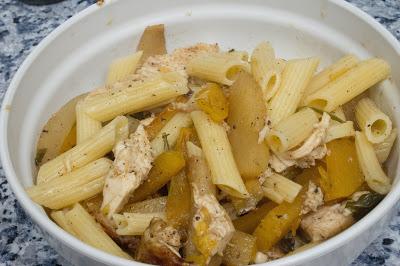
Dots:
pixel 246 119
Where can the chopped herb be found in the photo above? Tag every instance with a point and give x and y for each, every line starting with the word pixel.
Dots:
pixel 39 156
pixel 364 204
pixel 231 50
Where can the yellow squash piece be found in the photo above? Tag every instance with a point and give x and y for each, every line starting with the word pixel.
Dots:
pixel 241 250
pixel 343 170
pixel 166 165
pixel 212 101
pixel 249 222
pixel 285 217
pixel 246 118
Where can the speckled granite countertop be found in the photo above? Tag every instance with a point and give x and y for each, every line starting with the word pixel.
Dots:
pixel 21 28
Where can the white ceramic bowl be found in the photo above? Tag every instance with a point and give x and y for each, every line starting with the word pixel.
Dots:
pixel 74 59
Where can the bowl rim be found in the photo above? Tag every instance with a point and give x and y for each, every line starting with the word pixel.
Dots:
pixel 45 223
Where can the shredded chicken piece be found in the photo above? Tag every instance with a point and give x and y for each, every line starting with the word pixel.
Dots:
pixel 316 138
pixel 312 149
pixel 175 61
pixel 326 222
pixel 133 161
pixel 213 228
pixel 314 199
pixel 160 245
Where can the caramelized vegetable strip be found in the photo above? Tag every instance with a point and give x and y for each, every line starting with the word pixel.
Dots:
pixel 179 202
pixel 167 165
pixel 147 206
pixel 241 250
pixel 55 132
pixel 152 42
pixel 246 119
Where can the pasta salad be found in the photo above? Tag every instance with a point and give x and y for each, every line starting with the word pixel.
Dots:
pixel 209 157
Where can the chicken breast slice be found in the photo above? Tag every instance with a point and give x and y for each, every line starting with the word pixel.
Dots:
pixel 133 161
pixel 314 199
pixel 326 222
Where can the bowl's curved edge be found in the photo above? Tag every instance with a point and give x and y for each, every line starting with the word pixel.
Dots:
pixel 317 251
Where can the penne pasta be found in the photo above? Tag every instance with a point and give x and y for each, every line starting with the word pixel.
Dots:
pixel 134 223
pixel 295 78
pixel 171 130
pixel 85 125
pixel 279 188
pixel 121 68
pixel 91 232
pixel 286 134
pixel 136 97
pixel 372 170
pixel 349 85
pixel 382 149
pixel 73 187
pixel 265 69
pixel 331 73
pixel 92 149
pixel 218 67
pixel 372 121
pixel 218 154
pixel 62 221
pixel 340 130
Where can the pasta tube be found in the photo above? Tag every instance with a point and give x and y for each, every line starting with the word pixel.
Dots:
pixel 339 112
pixel 92 149
pixel 218 153
pixel 91 232
pixel 337 131
pixel 279 188
pixel 373 122
pixel 62 221
pixel 73 187
pixel 293 130
pixel 139 96
pixel 266 71
pixel 372 170
pixel 171 131
pixel 218 67
pixel 134 223
pixel 382 149
pixel 85 125
pixel 121 68
pixel 331 73
pixel 295 78
pixel 349 85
